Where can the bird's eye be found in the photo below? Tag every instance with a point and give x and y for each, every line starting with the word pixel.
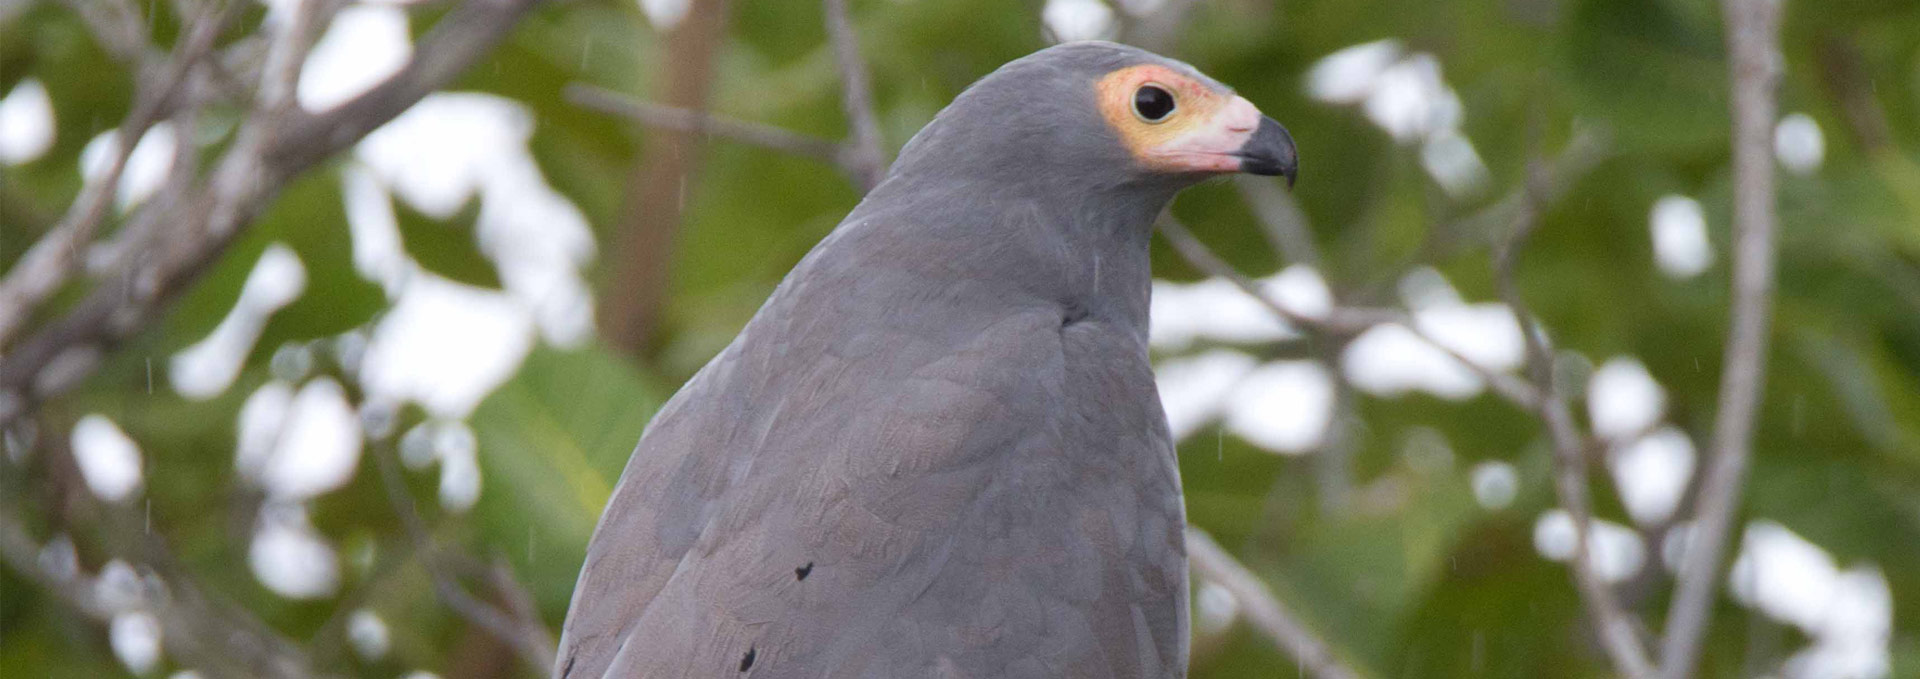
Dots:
pixel 1152 103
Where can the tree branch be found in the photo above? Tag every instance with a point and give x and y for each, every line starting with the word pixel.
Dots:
pixel 709 125
pixel 1486 227
pixel 1274 620
pixel 48 263
pixel 863 153
pixel 652 210
pixel 1619 636
pixel 22 553
pixel 862 157
pixel 1159 30
pixel 269 151
pixel 13 8
pixel 1843 74
pixel 461 38
pixel 286 55
pixel 1286 231
pixel 1753 47
pixel 1285 226
pixel 196 630
pixel 1340 321
pixel 521 630
pixel 1281 220
pixel 117 27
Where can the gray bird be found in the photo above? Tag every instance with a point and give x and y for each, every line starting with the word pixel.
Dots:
pixel 937 450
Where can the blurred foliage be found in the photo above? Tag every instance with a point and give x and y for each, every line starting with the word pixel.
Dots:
pixel 1411 578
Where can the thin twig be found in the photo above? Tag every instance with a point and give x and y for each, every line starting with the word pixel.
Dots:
pixel 1287 232
pixel 863 151
pixel 328 642
pixel 1484 228
pixel 1160 29
pixel 1203 258
pixel 196 630
pixel 286 54
pixel 1280 218
pixel 653 210
pixel 22 554
pixel 459 39
pixel 248 176
pixel 48 263
pixel 1844 74
pixel 683 120
pixel 1339 321
pixel 117 27
pixel 1212 563
pixel 9 9
pixel 524 633
pixel 1753 45
pixel 1333 458
pixel 1619 636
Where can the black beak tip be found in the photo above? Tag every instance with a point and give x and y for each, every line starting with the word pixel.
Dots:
pixel 1270 152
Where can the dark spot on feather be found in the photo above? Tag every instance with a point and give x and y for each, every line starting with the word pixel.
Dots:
pixel 802 572
pixel 568 670
pixel 1074 312
pixel 746 663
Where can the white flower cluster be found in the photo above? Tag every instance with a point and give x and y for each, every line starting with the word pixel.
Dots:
pixel 1405 95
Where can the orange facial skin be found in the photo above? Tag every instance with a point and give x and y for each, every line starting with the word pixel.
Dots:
pixel 1202 134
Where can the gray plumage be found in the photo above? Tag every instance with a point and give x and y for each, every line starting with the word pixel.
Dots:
pixel 937 450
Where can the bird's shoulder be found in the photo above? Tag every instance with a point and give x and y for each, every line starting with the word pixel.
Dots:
pixel 794 419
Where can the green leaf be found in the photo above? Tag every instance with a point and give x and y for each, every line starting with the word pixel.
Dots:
pixel 552 443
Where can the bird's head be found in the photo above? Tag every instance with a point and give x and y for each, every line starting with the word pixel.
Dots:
pixel 1180 122
pixel 1103 113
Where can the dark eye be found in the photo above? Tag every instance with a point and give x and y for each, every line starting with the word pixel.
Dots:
pixel 1152 103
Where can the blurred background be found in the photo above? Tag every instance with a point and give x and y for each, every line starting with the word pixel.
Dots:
pixel 326 326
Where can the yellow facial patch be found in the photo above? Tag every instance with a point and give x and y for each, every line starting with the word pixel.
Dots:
pixel 1194 105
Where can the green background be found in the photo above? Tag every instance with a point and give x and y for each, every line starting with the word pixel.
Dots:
pixel 1421 583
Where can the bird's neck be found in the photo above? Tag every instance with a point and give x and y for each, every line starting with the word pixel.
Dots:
pixel 1050 242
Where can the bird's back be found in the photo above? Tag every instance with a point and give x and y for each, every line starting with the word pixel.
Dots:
pixel 902 468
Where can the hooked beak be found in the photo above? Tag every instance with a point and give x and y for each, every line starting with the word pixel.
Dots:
pixel 1233 138
pixel 1269 152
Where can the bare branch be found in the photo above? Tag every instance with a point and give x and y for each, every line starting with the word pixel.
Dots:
pixel 1287 231
pixel 1619 636
pixel 22 553
pixel 117 27
pixel 521 630
pixel 652 212
pixel 48 263
pixel 709 124
pixel 211 637
pixel 330 640
pixel 862 157
pixel 1201 257
pixel 1280 219
pixel 1285 227
pixel 1333 459
pixel 459 39
pixel 1753 46
pixel 1159 30
pixel 286 54
pixel 268 152
pixel 1340 321
pixel 863 152
pixel 1843 73
pixel 1273 618
pixel 13 8
pixel 1487 227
